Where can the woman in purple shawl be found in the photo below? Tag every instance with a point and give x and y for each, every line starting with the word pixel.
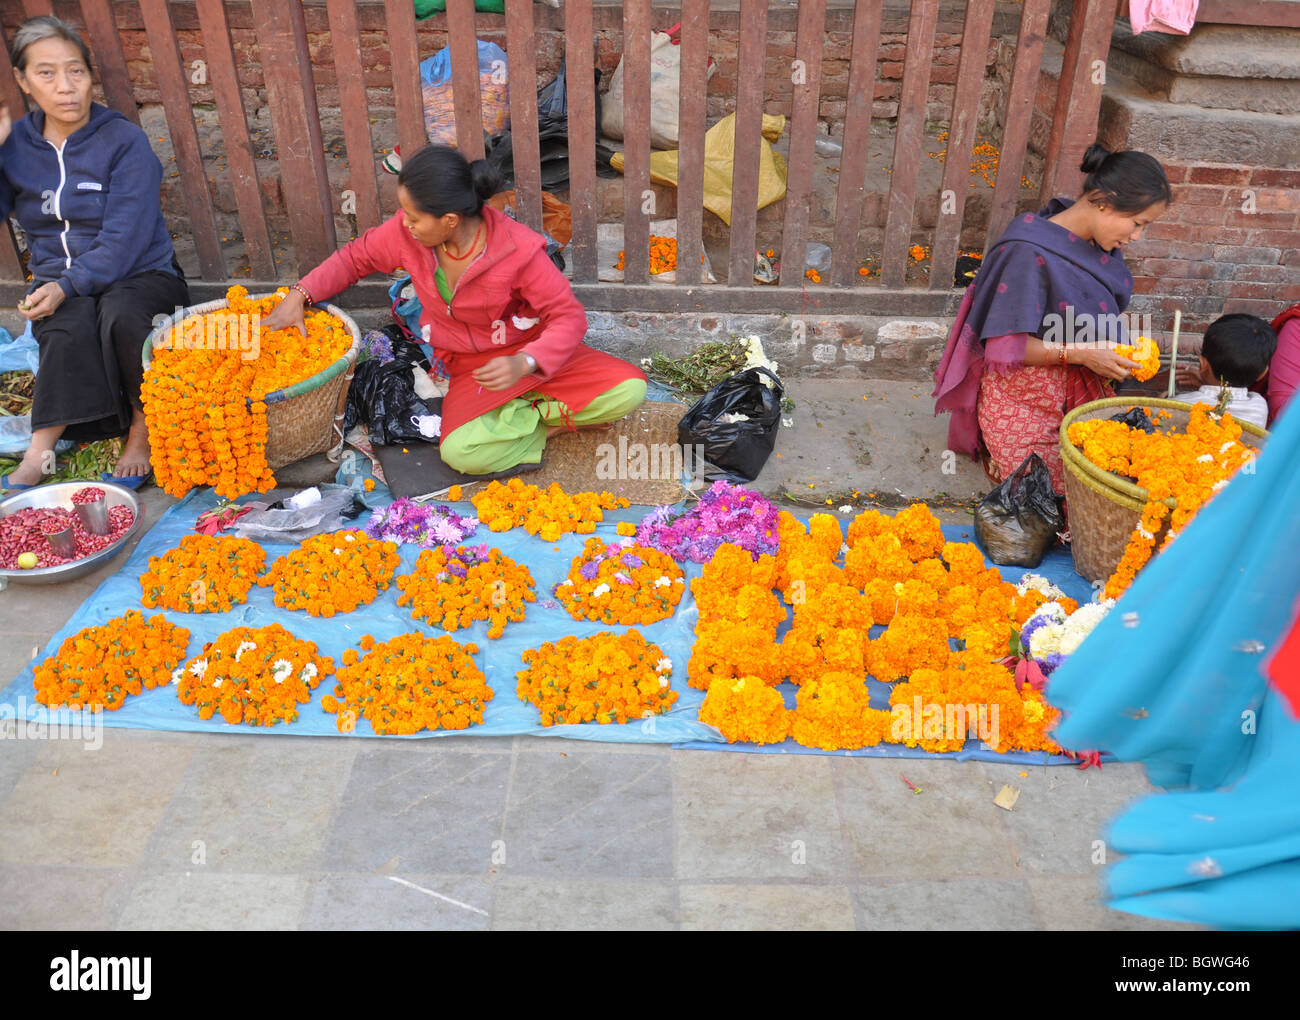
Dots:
pixel 1029 341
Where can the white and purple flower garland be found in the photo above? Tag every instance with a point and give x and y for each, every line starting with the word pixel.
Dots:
pixel 725 514
pixel 410 523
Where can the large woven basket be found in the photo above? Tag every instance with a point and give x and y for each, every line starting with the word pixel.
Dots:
pixel 305 418
pixel 1106 507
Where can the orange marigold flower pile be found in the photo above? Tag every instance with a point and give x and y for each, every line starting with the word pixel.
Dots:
pixel 204 391
pixel 829 634
pixel 547 514
pixel 98 667
pixel 663 255
pixel 735 634
pixel 332 573
pixel 408 684
pixel 1184 469
pixel 746 709
pixel 608 678
pixel 254 675
pixel 451 588
pixel 621 583
pixel 835 713
pixel 203 574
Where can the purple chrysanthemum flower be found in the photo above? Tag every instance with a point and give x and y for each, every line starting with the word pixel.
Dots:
pixel 590 569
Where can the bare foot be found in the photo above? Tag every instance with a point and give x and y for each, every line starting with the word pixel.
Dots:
pixel 26 473
pixel 135 453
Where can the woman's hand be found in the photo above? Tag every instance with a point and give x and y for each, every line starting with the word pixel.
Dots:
pixel 1104 361
pixel 6 122
pixel 287 313
pixel 42 301
pixel 501 373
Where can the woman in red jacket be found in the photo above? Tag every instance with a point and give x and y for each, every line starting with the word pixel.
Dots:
pixel 495 309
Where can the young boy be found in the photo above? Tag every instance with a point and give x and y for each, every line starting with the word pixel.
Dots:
pixel 1236 351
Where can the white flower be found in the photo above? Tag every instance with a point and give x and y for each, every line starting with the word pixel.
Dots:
pixel 1218 485
pixel 1205 458
pixel 599 590
pixel 1040 584
pixel 177 673
pixel 198 667
pixel 349 538
pixel 664 665
pixel 846 509
pixel 1144 533
pixel 1226 447
pixel 1046 640
pixel 663 582
pixel 281 670
pixel 566 582
pixel 646 363
pixel 308 671
pixel 218 681
pixel 663 681
pixel 244 646
pixel 1081 624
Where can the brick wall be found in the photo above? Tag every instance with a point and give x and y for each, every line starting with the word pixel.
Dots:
pixel 1229 242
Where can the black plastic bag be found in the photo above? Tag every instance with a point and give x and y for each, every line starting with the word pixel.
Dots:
pixel 1018 522
pixel 734 451
pixel 382 397
pixel 1135 418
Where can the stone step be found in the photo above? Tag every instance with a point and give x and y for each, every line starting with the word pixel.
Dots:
pixel 1189 133
pixel 1217 66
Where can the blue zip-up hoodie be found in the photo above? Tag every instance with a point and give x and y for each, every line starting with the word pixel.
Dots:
pixel 91 211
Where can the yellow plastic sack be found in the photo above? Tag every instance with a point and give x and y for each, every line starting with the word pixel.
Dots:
pixel 719 159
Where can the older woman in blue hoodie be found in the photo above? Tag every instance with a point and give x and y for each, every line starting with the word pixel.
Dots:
pixel 83 184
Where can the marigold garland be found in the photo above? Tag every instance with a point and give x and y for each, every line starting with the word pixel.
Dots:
pixel 746 709
pixel 735 634
pixel 98 667
pixel 621 583
pixel 451 588
pixel 1186 468
pixel 203 393
pixel 547 514
pixel 332 573
pixel 607 678
pixel 408 684
pixel 203 574
pixel 254 675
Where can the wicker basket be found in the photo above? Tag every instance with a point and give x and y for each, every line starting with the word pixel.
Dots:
pixel 303 419
pixel 1106 507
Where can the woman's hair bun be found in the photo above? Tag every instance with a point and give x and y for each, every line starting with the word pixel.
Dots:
pixel 1093 158
pixel 487 181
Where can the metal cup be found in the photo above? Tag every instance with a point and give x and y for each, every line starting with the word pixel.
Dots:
pixel 64 543
pixel 94 516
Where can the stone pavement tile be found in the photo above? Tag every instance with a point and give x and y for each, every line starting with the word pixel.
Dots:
pixel 210 901
pixel 1073 903
pixel 423 813
pixel 757 816
pixel 1062 811
pixel 16 648
pixel 951 828
pixel 16 756
pixel 525 742
pixel 532 904
pixel 262 807
pixel 348 901
pixel 62 899
pixel 946 904
pixel 90 808
pixel 784 907
pixel 588 813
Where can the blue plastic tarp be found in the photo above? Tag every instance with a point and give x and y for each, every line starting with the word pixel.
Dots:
pixel 499 659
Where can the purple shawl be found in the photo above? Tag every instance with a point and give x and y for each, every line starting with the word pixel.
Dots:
pixel 1035 269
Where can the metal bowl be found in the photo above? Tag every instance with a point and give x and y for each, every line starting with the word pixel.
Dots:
pixel 59 494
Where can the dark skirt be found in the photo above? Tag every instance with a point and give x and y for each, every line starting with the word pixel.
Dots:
pixel 90 355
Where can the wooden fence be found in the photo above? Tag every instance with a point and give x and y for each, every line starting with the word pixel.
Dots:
pixel 282 45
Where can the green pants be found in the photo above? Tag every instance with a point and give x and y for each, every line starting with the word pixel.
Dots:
pixel 515 433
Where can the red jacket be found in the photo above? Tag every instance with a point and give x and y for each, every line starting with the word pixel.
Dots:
pixel 511 299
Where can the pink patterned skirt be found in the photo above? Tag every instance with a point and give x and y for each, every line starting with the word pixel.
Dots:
pixel 1020 413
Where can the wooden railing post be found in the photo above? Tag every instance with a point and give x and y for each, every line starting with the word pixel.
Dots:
pixel 580 65
pixel 752 53
pixel 636 140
